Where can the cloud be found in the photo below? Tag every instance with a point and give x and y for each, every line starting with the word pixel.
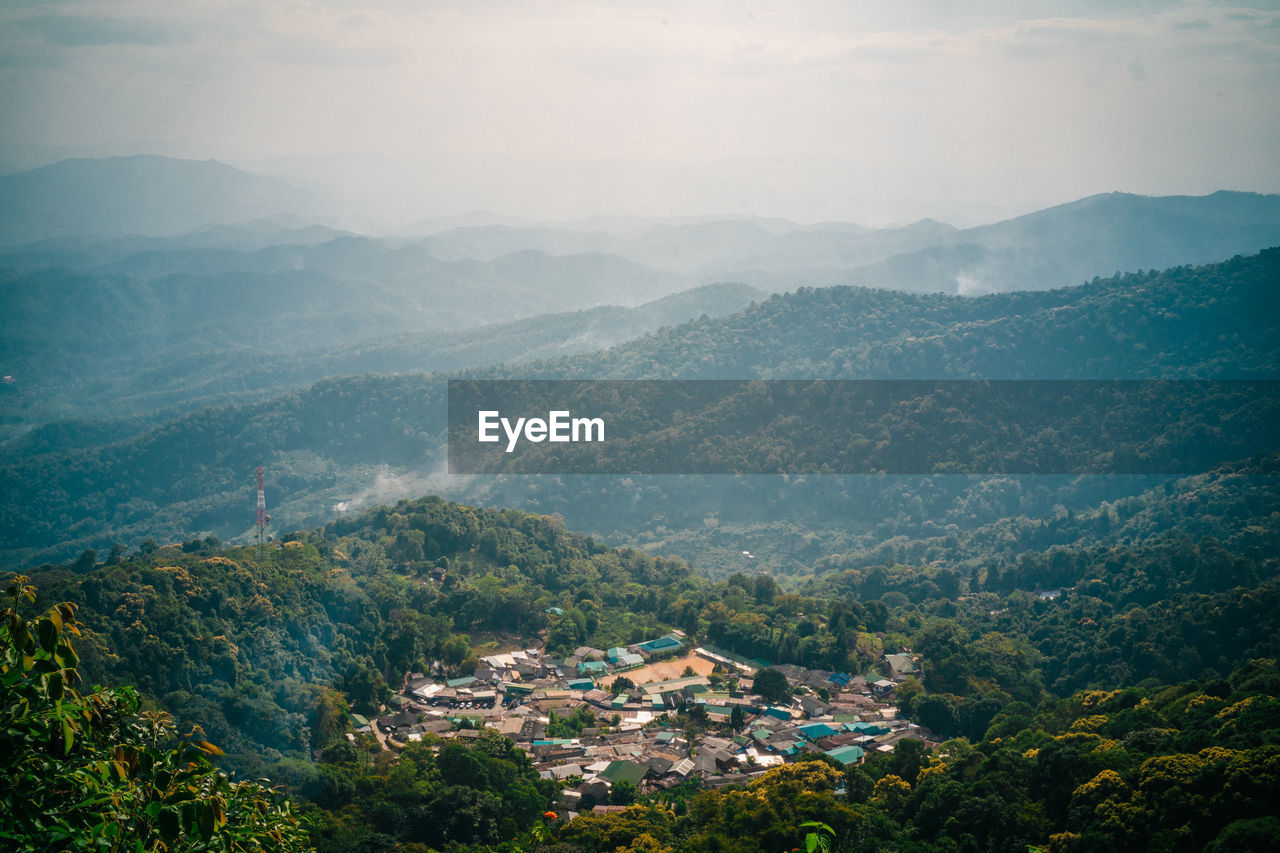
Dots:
pixel 968 285
pixel 827 109
pixel 86 31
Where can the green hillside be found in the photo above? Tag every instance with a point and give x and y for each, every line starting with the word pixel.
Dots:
pixel 352 440
pixel 270 650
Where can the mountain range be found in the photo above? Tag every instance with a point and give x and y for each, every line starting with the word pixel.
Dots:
pixel 345 442
pixel 131 285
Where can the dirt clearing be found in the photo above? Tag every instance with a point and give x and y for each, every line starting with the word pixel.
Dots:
pixel 663 670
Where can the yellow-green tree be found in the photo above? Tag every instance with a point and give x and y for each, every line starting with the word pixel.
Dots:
pixel 92 771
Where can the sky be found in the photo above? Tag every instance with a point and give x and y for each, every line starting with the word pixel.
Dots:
pixel 877 112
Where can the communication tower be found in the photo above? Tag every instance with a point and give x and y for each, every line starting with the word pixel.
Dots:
pixel 263 518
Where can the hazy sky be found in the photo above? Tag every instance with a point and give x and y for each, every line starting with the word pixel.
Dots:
pixel 874 111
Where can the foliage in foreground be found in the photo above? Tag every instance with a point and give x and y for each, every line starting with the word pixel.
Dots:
pixel 91 771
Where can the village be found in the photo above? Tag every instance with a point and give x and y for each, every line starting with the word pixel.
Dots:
pixel 612 724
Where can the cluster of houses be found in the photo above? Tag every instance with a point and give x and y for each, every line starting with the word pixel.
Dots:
pixel 632 737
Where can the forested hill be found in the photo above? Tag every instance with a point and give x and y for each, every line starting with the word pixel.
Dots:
pixel 1216 321
pixel 256 645
pixel 271 650
pixel 176 308
pixel 380 437
pixel 119 196
pixel 193 375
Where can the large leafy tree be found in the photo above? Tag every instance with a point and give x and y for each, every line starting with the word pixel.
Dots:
pixel 92 771
pixel 772 686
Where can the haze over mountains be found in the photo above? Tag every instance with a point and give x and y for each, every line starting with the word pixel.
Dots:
pixel 86 206
pixel 346 442
pixel 228 283
pixel 144 194
pixel 128 315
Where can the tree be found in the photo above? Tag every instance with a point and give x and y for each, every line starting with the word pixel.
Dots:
pixel 738 718
pixel 90 771
pixel 623 793
pixel 772 686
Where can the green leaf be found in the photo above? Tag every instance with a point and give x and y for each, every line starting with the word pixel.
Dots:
pixel 170 826
pixel 48 635
pixel 204 817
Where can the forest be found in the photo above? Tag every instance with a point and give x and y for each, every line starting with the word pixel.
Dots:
pixel 1097 653
pixel 1138 708
pixel 75 486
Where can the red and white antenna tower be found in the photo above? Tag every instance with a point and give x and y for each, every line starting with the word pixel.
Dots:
pixel 263 518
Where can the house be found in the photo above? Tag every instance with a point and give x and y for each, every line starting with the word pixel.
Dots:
pixel 687 685
pixel 816 731
pixel 608 809
pixel 659 766
pixel 628 771
pixel 683 767
pixel 668 643
pixel 900 666
pixel 847 755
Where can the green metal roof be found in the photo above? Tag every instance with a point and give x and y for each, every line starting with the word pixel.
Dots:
pixel 630 771
pixel 847 754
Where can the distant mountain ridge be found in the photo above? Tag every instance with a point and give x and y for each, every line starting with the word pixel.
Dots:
pixel 143 194
pixel 240 373
pixel 1059 246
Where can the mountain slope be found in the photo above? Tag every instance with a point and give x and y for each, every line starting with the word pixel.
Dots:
pixel 143 194
pixel 346 441
pixel 1059 246
pixel 307 305
pixel 1075 242
pixel 246 371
